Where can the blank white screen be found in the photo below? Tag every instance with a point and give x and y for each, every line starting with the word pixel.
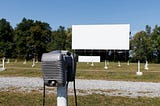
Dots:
pixel 101 36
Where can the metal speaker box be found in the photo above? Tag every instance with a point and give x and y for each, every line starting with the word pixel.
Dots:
pixel 53 69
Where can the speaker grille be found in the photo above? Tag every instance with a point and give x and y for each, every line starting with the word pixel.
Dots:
pixel 54 71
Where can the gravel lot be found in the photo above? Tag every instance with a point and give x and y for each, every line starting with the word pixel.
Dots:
pixel 84 87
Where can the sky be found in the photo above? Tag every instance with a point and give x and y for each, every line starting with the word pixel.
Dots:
pixel 137 13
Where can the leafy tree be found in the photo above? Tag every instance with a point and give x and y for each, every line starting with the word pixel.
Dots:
pixel 68 39
pixel 41 36
pixel 6 39
pixel 155 42
pixel 32 38
pixel 23 37
pixel 148 30
pixel 139 46
pixel 59 39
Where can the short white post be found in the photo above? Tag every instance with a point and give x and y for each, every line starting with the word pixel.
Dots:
pixel 128 63
pixel 119 64
pixel 139 73
pixel 92 64
pixel 105 65
pixel 3 64
pixel 62 96
pixel 33 62
pixel 24 61
pixel 146 65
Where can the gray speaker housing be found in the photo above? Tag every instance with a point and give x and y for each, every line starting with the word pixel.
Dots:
pixel 53 68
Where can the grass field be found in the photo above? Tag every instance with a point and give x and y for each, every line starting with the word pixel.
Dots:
pixel 20 69
pixel 84 71
pixel 125 72
pixel 35 99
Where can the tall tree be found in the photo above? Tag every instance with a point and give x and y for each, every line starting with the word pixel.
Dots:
pixel 6 39
pixel 59 38
pixel 155 42
pixel 41 37
pixel 140 46
pixel 68 39
pixel 148 30
pixel 23 37
pixel 32 38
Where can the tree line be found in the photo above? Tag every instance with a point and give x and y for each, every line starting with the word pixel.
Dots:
pixel 31 38
pixel 145 45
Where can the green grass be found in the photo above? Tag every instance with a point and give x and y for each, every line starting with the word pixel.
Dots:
pixel 125 72
pixel 24 99
pixel 85 71
pixel 20 69
pixel 35 99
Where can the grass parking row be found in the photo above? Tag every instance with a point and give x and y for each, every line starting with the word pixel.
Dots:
pixel 35 99
pixel 86 71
